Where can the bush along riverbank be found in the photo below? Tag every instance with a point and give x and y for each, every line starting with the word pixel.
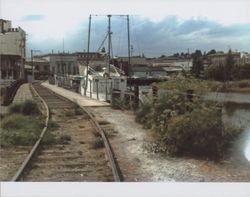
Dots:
pixel 185 124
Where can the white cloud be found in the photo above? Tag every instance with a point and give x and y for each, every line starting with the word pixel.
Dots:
pixel 63 17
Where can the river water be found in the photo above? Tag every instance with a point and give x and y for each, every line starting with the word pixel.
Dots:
pixel 238 115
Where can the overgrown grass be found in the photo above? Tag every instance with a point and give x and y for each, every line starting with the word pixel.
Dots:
pixel 19 130
pixel 22 126
pixel 28 107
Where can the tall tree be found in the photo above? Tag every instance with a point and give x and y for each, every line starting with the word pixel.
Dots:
pixel 213 51
pixel 197 67
pixel 229 66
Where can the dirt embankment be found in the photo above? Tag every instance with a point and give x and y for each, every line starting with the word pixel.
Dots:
pixel 138 164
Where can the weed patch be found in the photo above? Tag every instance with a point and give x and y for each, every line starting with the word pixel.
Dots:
pixel 98 143
pixel 19 130
pixel 64 139
pixel 28 107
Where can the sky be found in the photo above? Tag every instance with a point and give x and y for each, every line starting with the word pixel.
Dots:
pixel 157 27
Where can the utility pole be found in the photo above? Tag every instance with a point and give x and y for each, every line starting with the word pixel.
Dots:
pixel 86 84
pixel 128 46
pixel 109 42
pixel 32 63
pixel 23 55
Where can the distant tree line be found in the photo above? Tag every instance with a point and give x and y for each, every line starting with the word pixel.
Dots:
pixel 228 71
pixel 223 72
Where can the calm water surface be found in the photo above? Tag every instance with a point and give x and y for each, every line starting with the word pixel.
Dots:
pixel 239 115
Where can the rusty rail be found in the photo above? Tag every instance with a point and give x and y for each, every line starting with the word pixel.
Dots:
pixel 113 163
pixel 24 165
pixel 109 152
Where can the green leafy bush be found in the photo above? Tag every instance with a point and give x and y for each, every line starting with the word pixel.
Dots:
pixel 186 126
pixel 30 108
pixel 200 132
pixel 144 115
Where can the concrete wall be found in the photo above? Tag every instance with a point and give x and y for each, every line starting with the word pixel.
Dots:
pixel 13 43
pixel 63 64
pixel 4 25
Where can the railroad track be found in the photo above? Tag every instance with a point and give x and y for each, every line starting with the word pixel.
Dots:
pixel 81 151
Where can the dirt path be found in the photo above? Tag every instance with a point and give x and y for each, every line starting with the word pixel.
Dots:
pixel 137 164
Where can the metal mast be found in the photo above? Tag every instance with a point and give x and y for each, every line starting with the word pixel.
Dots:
pixel 128 45
pixel 87 69
pixel 109 42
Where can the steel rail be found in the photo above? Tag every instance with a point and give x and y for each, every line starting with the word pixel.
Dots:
pixel 24 165
pixel 109 152
pixel 113 164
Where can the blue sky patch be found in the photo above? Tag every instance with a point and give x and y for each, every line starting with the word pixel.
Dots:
pixel 33 17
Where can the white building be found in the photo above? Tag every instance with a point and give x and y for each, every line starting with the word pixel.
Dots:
pixel 62 67
pixel 245 58
pixel 98 85
pixel 174 62
pixel 12 51
pixel 185 64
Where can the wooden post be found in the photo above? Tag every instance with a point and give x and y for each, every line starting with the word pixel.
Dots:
pixel 136 97
pixel 189 96
pixel 97 89
pixel 90 84
pixel 155 93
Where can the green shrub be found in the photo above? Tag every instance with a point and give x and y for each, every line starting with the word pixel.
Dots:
pixel 98 143
pixel 49 138
pixel 15 121
pixel 186 126
pixel 52 125
pixel 78 110
pixel 200 132
pixel 16 108
pixel 30 108
pixel 27 107
pixel 142 112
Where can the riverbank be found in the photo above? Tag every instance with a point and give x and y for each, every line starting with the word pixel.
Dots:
pixel 131 138
pixel 241 86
